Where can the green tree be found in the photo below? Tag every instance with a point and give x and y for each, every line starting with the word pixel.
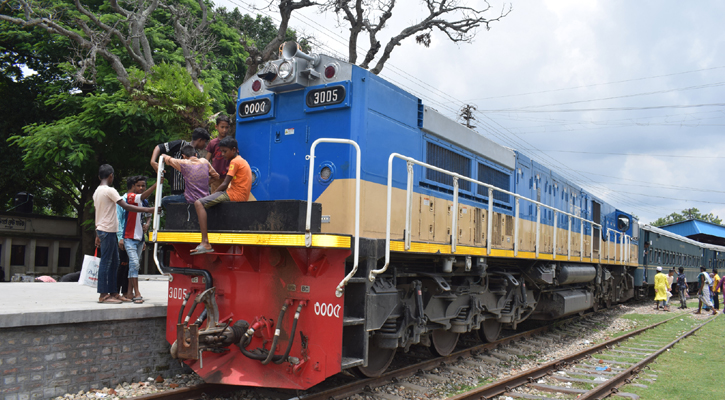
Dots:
pixel 686 215
pixel 122 80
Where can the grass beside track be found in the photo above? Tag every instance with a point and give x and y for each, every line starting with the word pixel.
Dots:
pixel 691 370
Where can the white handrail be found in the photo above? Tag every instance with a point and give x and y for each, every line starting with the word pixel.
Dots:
pixel 308 234
pixel 454 233
pixel 157 204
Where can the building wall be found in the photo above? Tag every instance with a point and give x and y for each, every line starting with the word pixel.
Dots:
pixel 38 245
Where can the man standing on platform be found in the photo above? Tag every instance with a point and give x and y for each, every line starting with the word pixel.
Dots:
pixel 105 199
pixel 131 231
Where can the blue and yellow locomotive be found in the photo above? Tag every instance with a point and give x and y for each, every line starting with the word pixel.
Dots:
pixel 421 229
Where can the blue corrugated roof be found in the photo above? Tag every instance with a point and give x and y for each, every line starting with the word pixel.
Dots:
pixel 695 227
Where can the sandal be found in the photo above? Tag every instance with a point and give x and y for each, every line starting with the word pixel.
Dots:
pixel 111 300
pixel 201 250
pixel 137 301
pixel 123 299
pixel 138 298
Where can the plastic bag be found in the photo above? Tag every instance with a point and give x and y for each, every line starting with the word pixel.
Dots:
pixel 89 272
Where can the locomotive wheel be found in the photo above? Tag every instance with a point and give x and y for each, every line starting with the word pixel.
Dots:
pixel 443 342
pixel 490 330
pixel 378 361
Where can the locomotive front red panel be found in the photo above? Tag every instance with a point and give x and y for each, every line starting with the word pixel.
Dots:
pixel 252 284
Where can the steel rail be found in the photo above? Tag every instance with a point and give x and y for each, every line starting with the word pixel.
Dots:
pixel 507 384
pixel 203 390
pixel 385 379
pixel 609 387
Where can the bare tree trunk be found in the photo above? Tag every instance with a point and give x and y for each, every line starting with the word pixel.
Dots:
pixel 258 57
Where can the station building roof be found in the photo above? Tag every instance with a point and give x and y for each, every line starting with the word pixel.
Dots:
pixel 705 232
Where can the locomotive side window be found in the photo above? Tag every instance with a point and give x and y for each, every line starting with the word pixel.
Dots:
pixel 623 223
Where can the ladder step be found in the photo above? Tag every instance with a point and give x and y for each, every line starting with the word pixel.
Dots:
pixel 357 279
pixel 348 362
pixel 347 321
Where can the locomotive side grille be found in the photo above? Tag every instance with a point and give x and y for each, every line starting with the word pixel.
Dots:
pixel 496 178
pixel 447 159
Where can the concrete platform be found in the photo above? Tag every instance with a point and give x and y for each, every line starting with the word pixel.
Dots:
pixel 38 303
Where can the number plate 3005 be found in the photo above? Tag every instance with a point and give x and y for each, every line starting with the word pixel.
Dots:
pixel 325 96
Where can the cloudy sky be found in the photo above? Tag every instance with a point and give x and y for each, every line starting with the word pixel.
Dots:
pixel 626 98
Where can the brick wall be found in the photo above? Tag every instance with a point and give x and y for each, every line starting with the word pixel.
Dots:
pixel 52 360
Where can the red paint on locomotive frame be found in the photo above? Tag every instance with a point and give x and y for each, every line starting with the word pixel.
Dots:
pixel 254 282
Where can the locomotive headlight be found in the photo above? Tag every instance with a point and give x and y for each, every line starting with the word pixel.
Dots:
pixel 285 70
pixel 325 173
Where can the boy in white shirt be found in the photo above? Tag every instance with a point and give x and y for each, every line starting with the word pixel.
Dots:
pixel 105 199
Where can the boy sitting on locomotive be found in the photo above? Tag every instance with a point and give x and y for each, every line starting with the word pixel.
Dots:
pixel 195 171
pixel 236 187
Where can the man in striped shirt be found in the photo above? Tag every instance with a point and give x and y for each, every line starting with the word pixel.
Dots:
pixel 199 139
pixel 131 231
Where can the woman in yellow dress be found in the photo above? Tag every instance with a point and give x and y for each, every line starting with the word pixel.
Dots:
pixel 661 290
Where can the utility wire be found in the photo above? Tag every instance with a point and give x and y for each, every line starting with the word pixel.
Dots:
pixel 599 84
pixel 443 105
pixel 518 110
pixel 626 154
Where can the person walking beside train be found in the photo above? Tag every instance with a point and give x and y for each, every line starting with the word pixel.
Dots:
pixel 661 290
pixel 703 290
pixel 236 187
pixel 214 153
pixel 715 289
pixel 670 280
pixel 199 139
pixel 105 199
pixel 682 287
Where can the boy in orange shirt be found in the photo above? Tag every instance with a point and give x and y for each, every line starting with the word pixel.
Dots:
pixel 236 187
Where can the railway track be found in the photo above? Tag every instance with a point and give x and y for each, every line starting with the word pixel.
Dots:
pixel 481 353
pixel 580 374
pixel 588 364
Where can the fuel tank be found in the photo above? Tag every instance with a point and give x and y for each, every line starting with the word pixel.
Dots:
pixel 569 274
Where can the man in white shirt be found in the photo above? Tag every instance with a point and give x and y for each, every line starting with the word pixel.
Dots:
pixel 105 199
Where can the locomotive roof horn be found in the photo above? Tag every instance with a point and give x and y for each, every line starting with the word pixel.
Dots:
pixel 292 49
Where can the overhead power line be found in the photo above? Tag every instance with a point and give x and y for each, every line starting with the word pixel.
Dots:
pixel 599 84
pixel 626 154
pixel 519 110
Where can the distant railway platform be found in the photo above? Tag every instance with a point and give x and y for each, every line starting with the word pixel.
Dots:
pixel 55 338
